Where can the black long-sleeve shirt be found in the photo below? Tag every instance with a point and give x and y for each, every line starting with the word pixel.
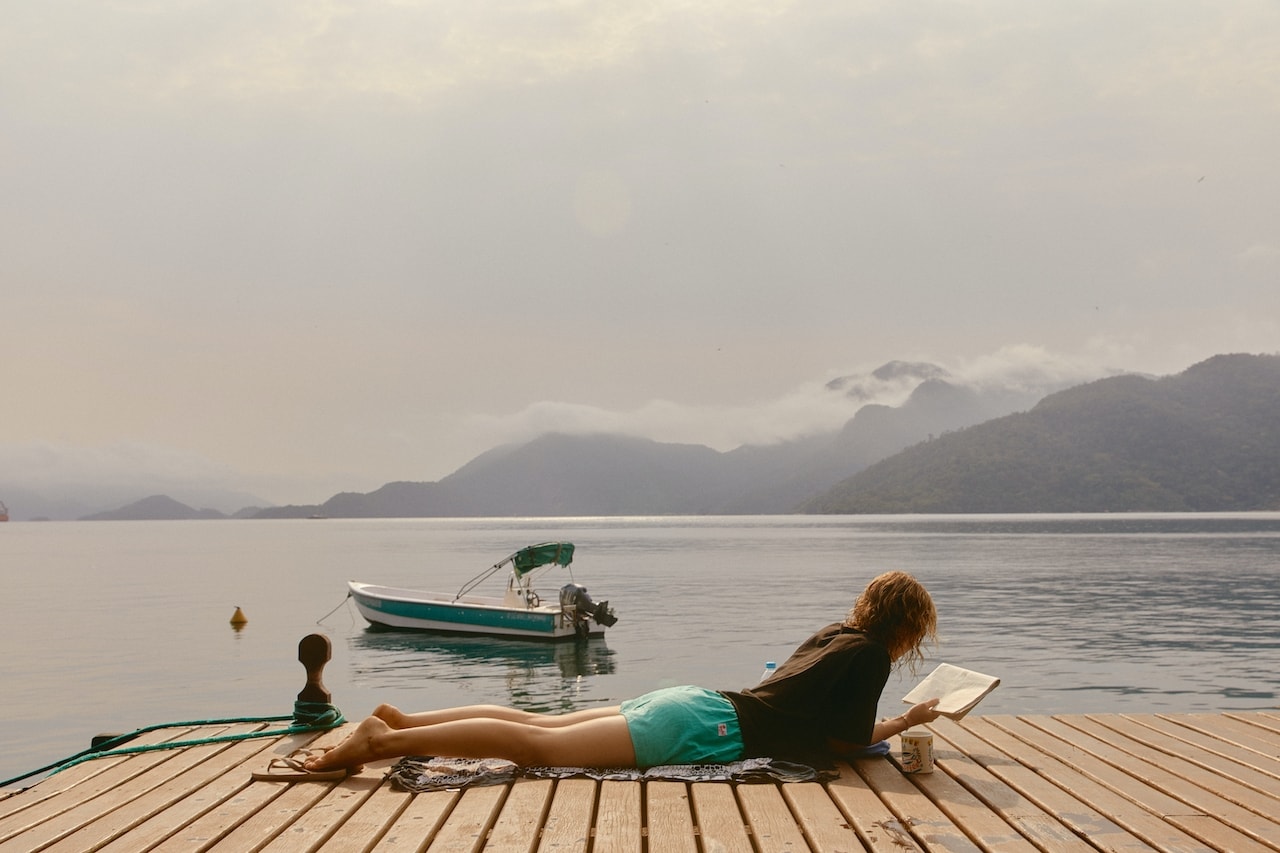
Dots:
pixel 829 688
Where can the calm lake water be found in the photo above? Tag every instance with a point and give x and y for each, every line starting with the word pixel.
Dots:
pixel 111 626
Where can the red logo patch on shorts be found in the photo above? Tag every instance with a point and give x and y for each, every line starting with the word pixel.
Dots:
pixel 723 729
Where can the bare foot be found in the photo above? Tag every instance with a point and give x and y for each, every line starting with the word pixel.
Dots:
pixel 313 753
pixel 392 716
pixel 353 752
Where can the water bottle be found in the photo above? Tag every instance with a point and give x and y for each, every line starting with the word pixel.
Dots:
pixel 770 667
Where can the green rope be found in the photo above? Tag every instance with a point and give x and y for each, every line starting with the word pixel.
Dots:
pixel 307 717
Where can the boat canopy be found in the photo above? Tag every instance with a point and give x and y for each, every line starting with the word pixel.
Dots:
pixel 527 559
pixel 524 561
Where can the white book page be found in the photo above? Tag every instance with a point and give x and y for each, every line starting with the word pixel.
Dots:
pixel 958 689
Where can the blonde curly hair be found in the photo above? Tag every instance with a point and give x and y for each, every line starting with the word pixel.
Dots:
pixel 897 611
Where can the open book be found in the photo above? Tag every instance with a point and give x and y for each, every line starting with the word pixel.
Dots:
pixel 959 689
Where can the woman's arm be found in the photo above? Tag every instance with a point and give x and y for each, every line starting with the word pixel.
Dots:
pixel 917 715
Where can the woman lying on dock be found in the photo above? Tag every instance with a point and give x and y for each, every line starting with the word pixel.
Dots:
pixel 821 702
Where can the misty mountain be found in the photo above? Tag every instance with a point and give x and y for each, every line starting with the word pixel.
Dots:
pixel 154 508
pixel 565 475
pixel 1202 440
pixel 79 500
pixel 553 475
pixel 1207 439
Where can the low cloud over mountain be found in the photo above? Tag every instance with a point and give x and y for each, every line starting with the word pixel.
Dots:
pixel 830 426
pixel 615 472
pixel 819 406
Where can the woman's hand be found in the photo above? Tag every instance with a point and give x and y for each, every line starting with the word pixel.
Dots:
pixel 922 713
pixel 917 716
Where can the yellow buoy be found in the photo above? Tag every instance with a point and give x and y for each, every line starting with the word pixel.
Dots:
pixel 238 618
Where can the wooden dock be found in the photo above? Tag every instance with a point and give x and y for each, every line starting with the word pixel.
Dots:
pixel 1002 783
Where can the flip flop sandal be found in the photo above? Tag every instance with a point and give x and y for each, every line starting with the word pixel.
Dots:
pixel 291 769
pixel 317 751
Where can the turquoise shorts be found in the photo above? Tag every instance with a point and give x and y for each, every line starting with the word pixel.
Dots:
pixel 683 725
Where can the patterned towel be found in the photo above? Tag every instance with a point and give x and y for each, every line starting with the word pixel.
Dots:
pixel 418 773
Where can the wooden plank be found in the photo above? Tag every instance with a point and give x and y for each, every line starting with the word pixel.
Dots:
pixel 719 819
pixel 1064 784
pixel 317 823
pixel 63 791
pixel 520 823
pixel 59 787
pixel 246 797
pixel 824 827
pixel 214 823
pixel 669 814
pixel 1178 801
pixel 773 827
pixel 618 818
pixel 88 796
pixel 973 817
pixel 467 826
pixel 1253 738
pixel 1218 836
pixel 305 812
pixel 1041 828
pixel 568 826
pixel 1270 722
pixel 877 827
pixel 922 818
pixel 200 795
pixel 416 826
pixel 363 829
pixel 1087 755
pixel 261 808
pixel 147 819
pixel 1044 781
pixel 1064 764
pixel 1214 741
pixel 1172 775
pixel 1226 759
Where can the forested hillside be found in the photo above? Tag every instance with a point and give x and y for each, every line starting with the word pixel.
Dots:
pixel 1207 439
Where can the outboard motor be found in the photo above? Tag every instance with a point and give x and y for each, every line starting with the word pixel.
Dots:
pixel 574 598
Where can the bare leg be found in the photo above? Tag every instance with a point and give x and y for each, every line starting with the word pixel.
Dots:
pixel 601 741
pixel 397 719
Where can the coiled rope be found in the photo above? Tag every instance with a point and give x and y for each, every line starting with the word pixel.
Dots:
pixel 307 717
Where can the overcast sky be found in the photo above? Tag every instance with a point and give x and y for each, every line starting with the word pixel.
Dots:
pixel 303 247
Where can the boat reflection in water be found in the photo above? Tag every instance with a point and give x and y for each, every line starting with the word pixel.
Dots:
pixel 536 676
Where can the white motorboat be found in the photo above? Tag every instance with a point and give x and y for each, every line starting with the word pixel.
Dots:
pixel 519 613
